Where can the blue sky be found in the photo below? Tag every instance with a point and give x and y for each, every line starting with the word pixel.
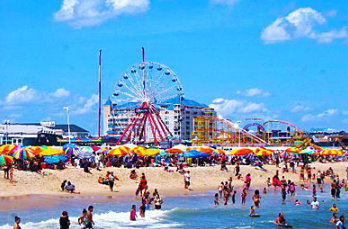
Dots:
pixel 272 59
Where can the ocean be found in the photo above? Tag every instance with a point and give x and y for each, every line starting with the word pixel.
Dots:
pixel 185 211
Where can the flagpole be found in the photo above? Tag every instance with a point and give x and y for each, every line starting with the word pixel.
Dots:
pixel 99 111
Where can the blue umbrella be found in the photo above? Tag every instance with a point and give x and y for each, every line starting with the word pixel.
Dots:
pixel 195 154
pixel 55 159
pixel 84 155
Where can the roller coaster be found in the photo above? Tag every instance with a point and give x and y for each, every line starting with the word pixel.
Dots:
pixel 208 130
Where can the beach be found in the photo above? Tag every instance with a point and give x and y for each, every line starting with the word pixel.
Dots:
pixel 203 179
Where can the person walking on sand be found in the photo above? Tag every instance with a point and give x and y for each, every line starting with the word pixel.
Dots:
pixel 111 181
pixel 16 223
pixel 90 221
pixel 187 180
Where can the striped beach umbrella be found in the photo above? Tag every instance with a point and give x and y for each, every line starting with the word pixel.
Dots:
pixel 71 151
pixel 259 152
pixel 119 151
pixel 241 152
pixel 220 151
pixel 333 152
pixel 84 155
pixel 8 149
pixel 23 154
pixel 140 150
pixel 5 160
pixel 35 149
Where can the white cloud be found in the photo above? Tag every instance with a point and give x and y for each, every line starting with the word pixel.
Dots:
pixel 320 116
pixel 224 2
pixel 88 107
pixel 82 13
pixel 21 95
pixel 226 107
pixel 60 93
pixel 300 24
pixel 300 108
pixel 328 37
pixel 254 92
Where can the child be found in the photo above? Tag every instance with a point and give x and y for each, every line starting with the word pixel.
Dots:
pixel 264 191
pixel 297 202
pixel 216 199
pixel 133 213
pixel 252 211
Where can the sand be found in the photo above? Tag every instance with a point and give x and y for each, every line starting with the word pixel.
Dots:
pixel 202 179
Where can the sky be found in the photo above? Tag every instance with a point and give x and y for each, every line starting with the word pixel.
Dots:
pixel 269 59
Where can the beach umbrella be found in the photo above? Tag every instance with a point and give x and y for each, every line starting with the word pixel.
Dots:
pixel 70 145
pixel 180 146
pixel 293 150
pixel 5 160
pixel 119 151
pixel 241 152
pixel 86 149
pixel 202 149
pixel 220 151
pixel 55 159
pixel 71 151
pixel 307 151
pixel 84 155
pixel 164 153
pixel 195 154
pixel 23 154
pixel 151 152
pixel 138 151
pixel 95 148
pixel 174 151
pixel 327 152
pixel 36 149
pixel 262 152
pixel 8 149
pixel 51 152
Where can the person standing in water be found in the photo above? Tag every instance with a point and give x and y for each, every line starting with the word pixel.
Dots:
pixel 334 219
pixel 82 220
pixel 142 209
pixel 281 220
pixel 256 197
pixel 64 221
pixel 90 221
pixel 133 213
pixel 187 180
pixel 16 223
pixel 340 223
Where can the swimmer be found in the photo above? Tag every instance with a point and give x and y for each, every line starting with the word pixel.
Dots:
pixel 334 208
pixel 297 202
pixel 252 211
pixel 216 199
pixel 334 219
pixel 281 220
pixel 82 220
pixel 264 191
pixel 17 222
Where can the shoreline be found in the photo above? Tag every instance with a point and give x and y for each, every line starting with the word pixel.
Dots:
pixel 33 189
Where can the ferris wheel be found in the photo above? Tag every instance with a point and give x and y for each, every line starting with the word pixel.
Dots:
pixel 148 81
pixel 145 85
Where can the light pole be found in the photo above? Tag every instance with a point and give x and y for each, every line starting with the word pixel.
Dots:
pixel 67 114
pixel 6 122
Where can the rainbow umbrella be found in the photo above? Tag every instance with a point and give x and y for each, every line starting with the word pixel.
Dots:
pixel 220 151
pixel 8 149
pixel 241 152
pixel 23 154
pixel 70 145
pixel 71 151
pixel 207 150
pixel 119 151
pixel 35 149
pixel 5 160
pixel 86 149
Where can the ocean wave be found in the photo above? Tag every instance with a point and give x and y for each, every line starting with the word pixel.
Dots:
pixel 153 219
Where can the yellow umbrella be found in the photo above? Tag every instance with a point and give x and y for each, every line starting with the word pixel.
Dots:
pixel 119 151
pixel 293 150
pixel 51 152
pixel 151 152
pixel 8 149
pixel 140 150
pixel 262 152
pixel 327 152
pixel 240 152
